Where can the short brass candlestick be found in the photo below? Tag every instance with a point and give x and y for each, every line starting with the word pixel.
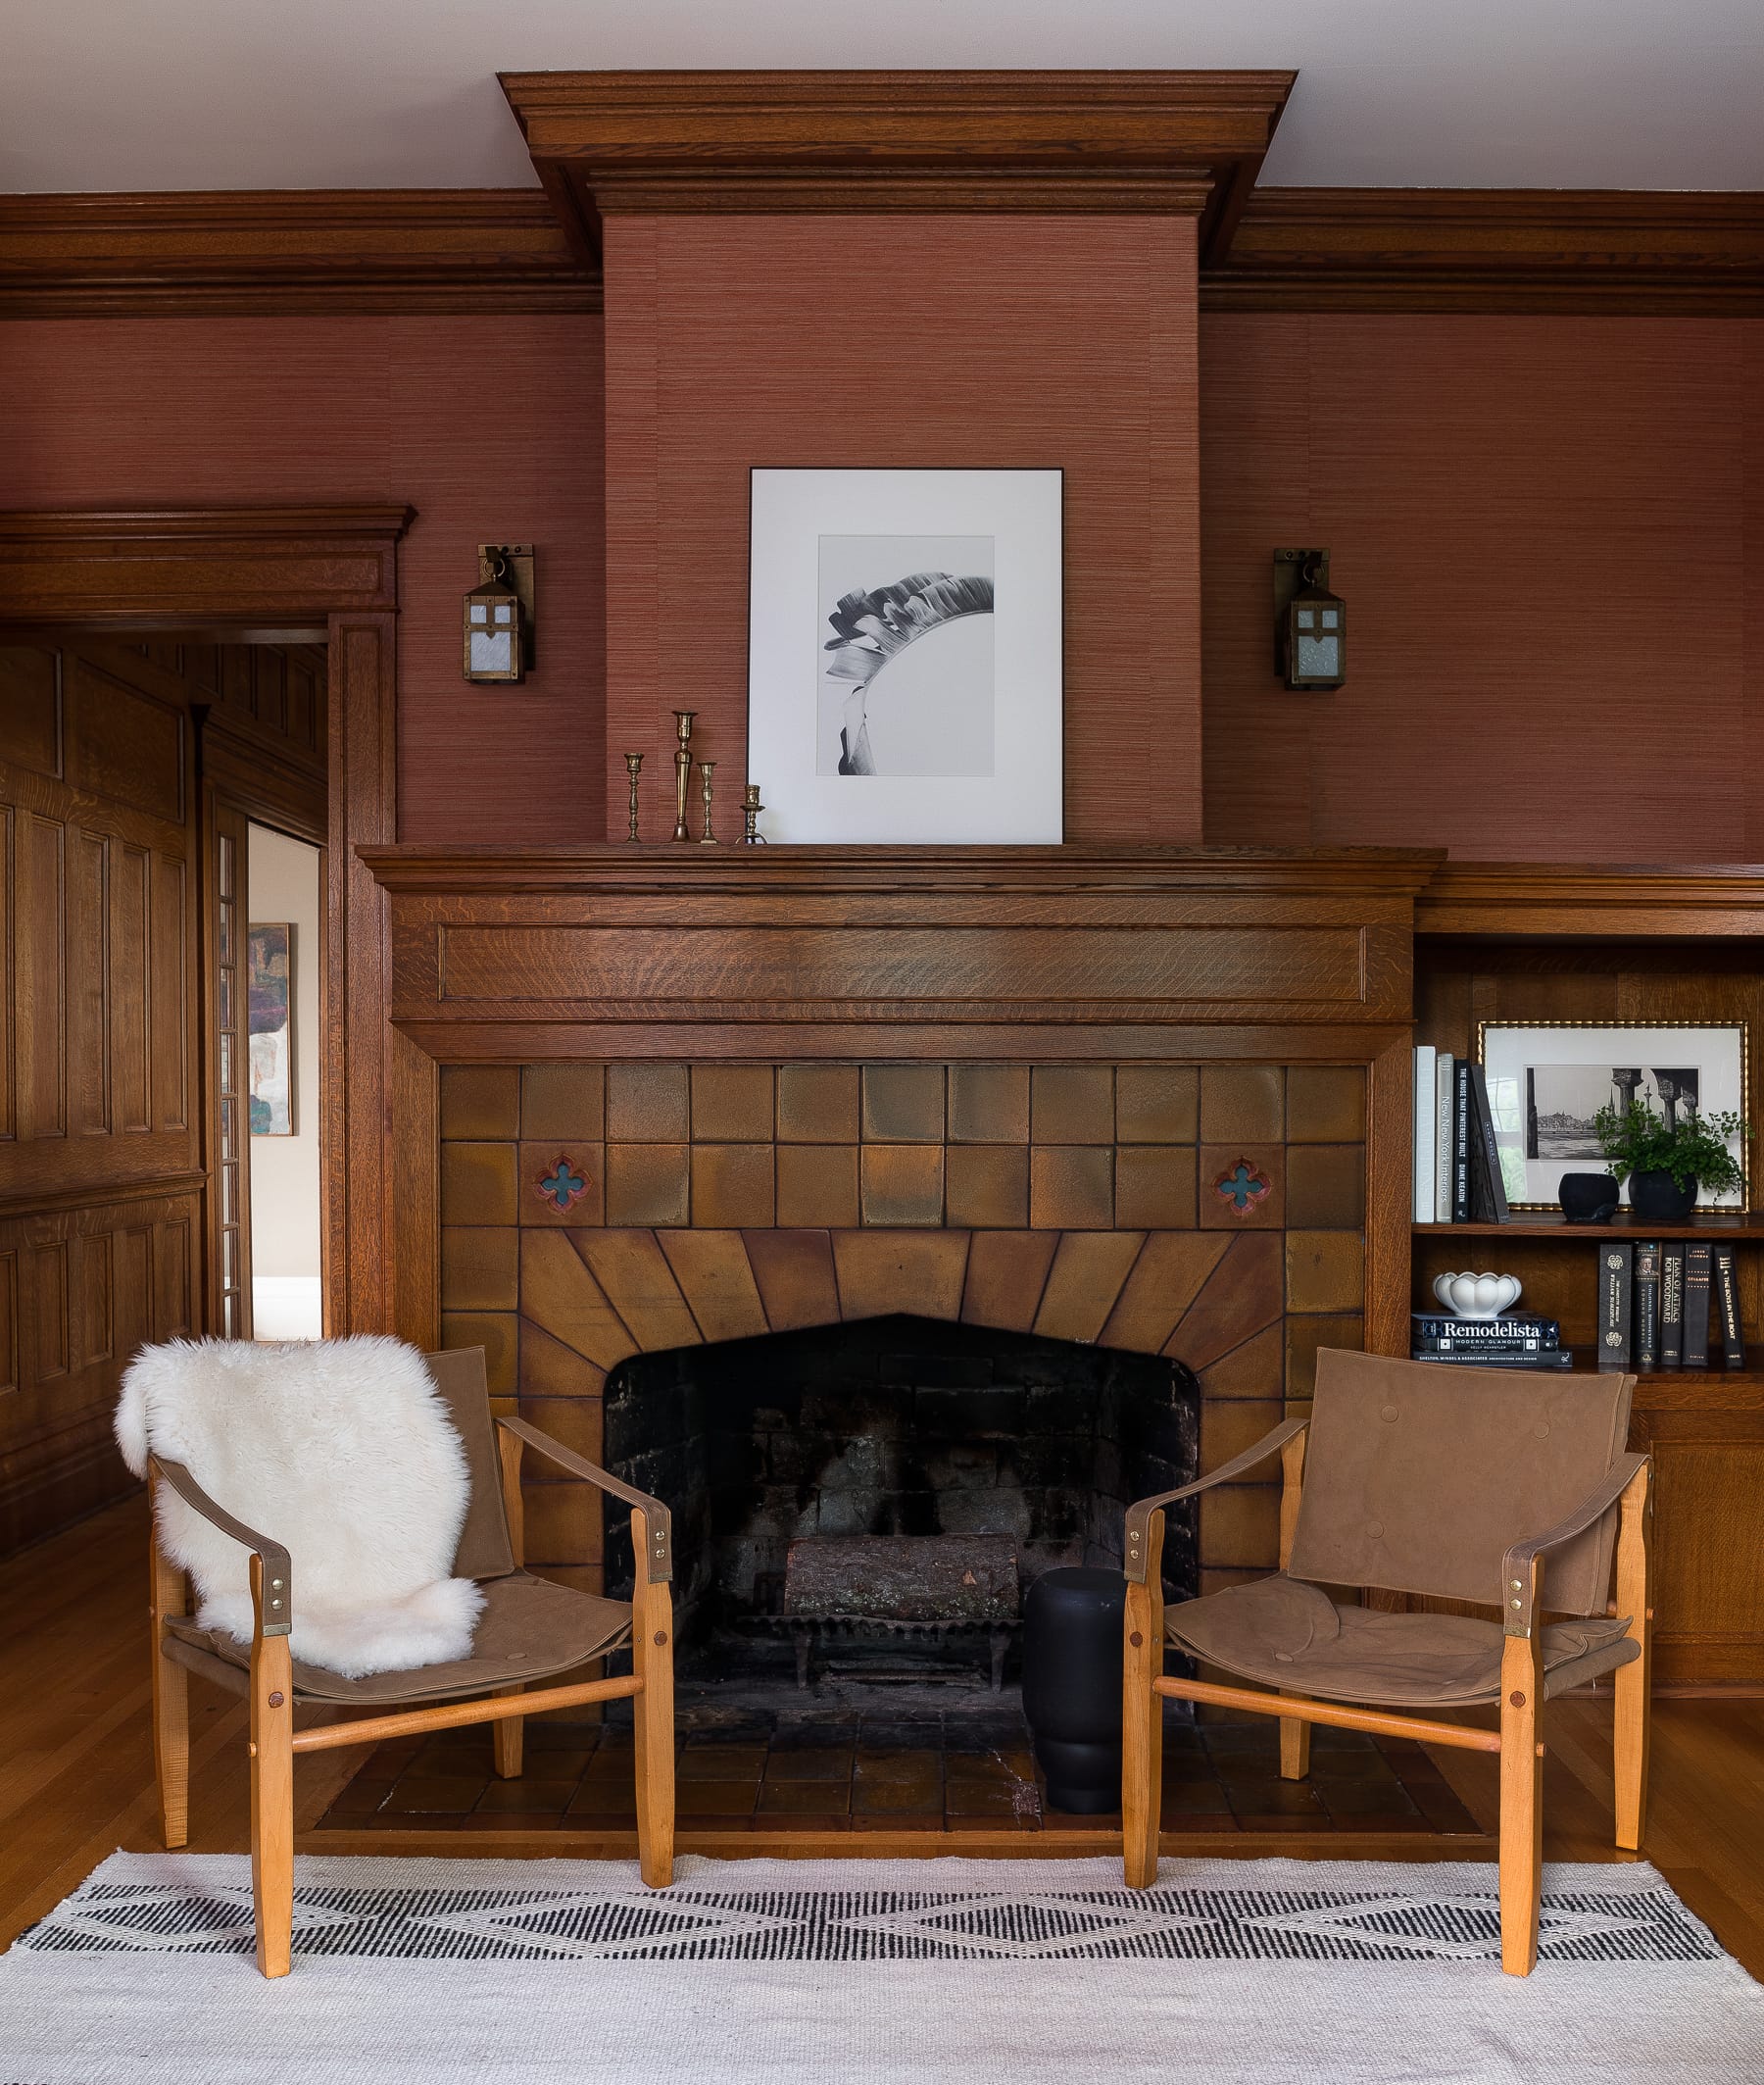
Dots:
pixel 683 720
pixel 751 808
pixel 633 767
pixel 706 768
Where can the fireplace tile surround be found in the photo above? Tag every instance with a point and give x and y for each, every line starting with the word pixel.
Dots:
pixel 1213 1213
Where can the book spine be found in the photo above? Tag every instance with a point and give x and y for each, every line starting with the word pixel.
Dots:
pixel 1648 1306
pixel 1449 1345
pixel 1550 1358
pixel 1490 1148
pixel 1474 1331
pixel 1727 1293
pixel 1616 1267
pixel 1443 1138
pixel 1672 1305
pixel 1425 1114
pixel 1460 1142
pixel 1697 1305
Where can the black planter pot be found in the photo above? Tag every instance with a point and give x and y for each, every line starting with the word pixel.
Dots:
pixel 1072 1686
pixel 1588 1196
pixel 1657 1198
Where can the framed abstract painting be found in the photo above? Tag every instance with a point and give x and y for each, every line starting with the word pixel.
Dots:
pixel 269 974
pixel 904 669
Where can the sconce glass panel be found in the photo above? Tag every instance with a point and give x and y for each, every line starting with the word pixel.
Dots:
pixel 490 652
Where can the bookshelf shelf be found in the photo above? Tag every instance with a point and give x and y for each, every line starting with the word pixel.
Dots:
pixel 1549 1223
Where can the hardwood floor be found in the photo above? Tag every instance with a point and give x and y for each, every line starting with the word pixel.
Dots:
pixel 76 1767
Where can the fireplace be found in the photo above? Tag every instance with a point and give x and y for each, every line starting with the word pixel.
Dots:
pixel 895 1426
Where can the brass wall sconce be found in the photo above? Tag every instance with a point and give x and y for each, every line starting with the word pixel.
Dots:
pixel 1310 623
pixel 498 614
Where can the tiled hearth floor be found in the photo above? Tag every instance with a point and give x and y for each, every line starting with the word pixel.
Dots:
pixel 862 1771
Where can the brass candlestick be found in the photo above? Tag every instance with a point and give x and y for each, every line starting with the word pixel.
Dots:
pixel 706 768
pixel 683 720
pixel 751 808
pixel 633 767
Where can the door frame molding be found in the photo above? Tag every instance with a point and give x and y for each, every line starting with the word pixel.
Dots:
pixel 268 573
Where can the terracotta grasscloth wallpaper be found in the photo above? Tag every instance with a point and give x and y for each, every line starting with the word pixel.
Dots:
pixel 1588 492
pixel 987 342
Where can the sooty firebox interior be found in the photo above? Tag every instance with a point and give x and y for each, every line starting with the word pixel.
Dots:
pixel 846 1499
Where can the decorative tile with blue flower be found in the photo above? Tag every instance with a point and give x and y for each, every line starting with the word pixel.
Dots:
pixel 563 1186
pixel 1243 1189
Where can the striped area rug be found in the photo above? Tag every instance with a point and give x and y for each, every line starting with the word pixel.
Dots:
pixel 862 1972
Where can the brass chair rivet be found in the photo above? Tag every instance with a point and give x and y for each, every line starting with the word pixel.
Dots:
pixel 1517 1700
pixel 1516 1586
pixel 660 1636
pixel 275 1701
pixel 275 1603
pixel 275 1585
pixel 1517 1603
pixel 1136 1639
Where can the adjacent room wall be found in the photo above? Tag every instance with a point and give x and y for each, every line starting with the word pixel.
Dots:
pixel 281 882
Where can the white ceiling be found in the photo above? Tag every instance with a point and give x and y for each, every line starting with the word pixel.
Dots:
pixel 146 94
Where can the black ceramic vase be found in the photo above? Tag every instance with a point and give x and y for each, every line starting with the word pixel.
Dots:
pixel 1588 1196
pixel 1072 1686
pixel 1657 1198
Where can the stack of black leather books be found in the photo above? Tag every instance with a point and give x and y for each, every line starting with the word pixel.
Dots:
pixel 1508 1342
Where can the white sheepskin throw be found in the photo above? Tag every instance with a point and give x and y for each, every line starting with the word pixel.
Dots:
pixel 341 1450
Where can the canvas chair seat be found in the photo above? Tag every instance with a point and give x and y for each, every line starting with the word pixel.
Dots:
pixel 531 1630
pixel 1292 1636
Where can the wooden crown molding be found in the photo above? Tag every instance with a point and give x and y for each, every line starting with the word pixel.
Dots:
pixel 1529 899
pixel 1188 143
pixel 294 253
pixel 1616 251
pixel 266 565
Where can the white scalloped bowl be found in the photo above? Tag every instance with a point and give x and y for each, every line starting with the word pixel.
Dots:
pixel 1477 1295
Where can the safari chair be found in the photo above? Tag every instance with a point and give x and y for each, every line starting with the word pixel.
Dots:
pixel 1452 1484
pixel 528 1630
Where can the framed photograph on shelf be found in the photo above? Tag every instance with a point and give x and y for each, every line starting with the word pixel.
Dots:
pixel 905 673
pixel 1548 1079
pixel 270 973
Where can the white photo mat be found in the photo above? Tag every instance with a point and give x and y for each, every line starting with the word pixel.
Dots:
pixel 1546 1079
pixel 908 622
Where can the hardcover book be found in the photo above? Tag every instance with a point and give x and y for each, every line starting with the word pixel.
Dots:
pixel 1435 1329
pixel 1672 1303
pixel 1425 1114
pixel 1616 1266
pixel 1460 1142
pixel 1445 1083
pixel 1727 1301
pixel 1545 1358
pixel 1697 1271
pixel 1487 1150
pixel 1647 1305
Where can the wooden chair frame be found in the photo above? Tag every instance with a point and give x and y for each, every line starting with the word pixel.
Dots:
pixel 1518 1742
pixel 274 1741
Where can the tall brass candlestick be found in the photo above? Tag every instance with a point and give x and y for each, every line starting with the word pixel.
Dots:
pixel 706 768
pixel 683 721
pixel 751 808
pixel 633 767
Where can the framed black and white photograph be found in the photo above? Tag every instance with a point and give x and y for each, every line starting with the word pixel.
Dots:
pixel 1547 1081
pixel 905 674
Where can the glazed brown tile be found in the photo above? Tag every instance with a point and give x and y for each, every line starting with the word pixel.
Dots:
pixel 989 1104
pixel 700 1762
pixel 608 1801
pixel 481 1100
pixel 562 1524
pixel 1240 1527
pixel 898 1783
pixel 577 1195
pixel 1071 1187
pixel 1071 1104
pixel 1155 1187
pixel 1229 1425
pixel 1241 1103
pixel 1326 1103
pixel 478 1266
pixel 527 1794
pixel 647 1184
pixel 731 1104
pixel 981 1798
pixel 1157 1103
pixel 514 1820
pixel 647 1104
pixel 1325 1186
pixel 1326 1270
pixel 904 1104
pixel 810 1764
pixel 563 1101
pixel 1305 1336
pixel 495 1333
pixel 1194 1798
pixel 817 1104
pixel 988 1186
pixel 1241 1187
pixel 454 1796
pixel 717 1800
pixel 1244 1293
pixel 477 1183
pixel 732 1185
pixel 818 1185
pixel 902 1184
pixel 573 1421
pixel 1255 1368
pixel 804 1799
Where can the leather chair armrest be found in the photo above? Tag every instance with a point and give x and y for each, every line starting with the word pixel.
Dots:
pixel 1138 1514
pixel 276 1600
pixel 1518 1581
pixel 660 1522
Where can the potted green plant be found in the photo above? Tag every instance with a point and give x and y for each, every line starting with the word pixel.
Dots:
pixel 1667 1161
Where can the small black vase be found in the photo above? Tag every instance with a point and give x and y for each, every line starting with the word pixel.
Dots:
pixel 1657 1198
pixel 1587 1196
pixel 1072 1685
